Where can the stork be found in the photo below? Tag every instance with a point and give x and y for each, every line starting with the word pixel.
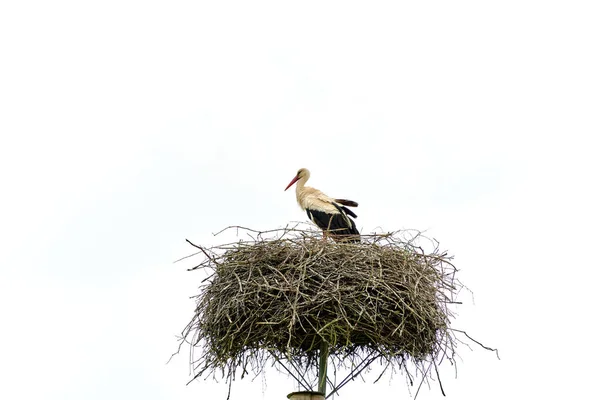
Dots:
pixel 329 214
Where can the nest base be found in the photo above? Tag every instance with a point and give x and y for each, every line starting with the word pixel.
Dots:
pixel 306 396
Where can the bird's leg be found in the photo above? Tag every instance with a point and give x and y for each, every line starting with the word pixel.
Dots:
pixel 324 236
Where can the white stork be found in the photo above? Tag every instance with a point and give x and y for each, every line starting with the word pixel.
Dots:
pixel 331 215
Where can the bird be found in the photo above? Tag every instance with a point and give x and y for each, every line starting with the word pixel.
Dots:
pixel 329 214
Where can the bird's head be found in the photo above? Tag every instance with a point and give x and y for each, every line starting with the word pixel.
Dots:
pixel 302 174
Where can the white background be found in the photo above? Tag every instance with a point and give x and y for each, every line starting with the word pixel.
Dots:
pixel 128 126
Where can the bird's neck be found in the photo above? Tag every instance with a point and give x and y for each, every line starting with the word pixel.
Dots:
pixel 300 184
pixel 300 188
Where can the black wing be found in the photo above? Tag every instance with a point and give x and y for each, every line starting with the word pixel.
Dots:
pixel 345 202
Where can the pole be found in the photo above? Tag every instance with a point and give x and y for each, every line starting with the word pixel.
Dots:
pixel 323 354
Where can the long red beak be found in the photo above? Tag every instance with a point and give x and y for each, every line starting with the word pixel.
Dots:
pixel 291 183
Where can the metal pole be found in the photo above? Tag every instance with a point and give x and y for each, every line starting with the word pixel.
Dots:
pixel 323 354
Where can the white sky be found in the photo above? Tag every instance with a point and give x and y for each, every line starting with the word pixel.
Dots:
pixel 128 126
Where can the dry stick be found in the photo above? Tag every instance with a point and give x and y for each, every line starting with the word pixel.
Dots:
pixel 382 372
pixel 352 375
pixel 183 258
pixel 205 253
pixel 238 227
pixel 485 347
pixel 229 391
pixel 439 379
pixel 303 382
pixel 422 380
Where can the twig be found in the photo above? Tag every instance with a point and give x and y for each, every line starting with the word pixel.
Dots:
pixel 202 249
pixel 485 347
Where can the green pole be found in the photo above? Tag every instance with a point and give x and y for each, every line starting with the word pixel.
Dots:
pixel 323 354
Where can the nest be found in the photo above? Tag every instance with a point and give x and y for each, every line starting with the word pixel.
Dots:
pixel 282 297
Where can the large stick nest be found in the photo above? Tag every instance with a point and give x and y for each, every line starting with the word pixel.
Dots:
pixel 280 297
